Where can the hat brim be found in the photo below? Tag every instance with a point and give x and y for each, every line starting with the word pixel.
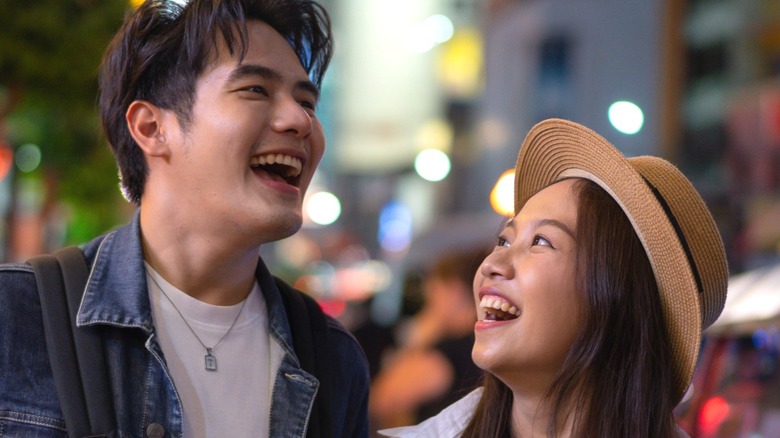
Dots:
pixel 558 149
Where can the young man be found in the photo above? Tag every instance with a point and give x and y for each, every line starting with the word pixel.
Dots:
pixel 209 108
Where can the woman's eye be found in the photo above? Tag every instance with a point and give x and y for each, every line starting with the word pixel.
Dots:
pixel 502 241
pixel 540 241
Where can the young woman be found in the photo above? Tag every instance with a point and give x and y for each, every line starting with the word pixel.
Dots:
pixel 591 306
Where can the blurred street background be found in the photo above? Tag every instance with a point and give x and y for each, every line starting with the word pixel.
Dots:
pixel 425 106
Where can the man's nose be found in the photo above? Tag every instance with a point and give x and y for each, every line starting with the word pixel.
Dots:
pixel 290 117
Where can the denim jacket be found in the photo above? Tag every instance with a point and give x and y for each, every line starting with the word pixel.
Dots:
pixel 145 399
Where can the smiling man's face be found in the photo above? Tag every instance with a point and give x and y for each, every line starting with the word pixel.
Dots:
pixel 253 143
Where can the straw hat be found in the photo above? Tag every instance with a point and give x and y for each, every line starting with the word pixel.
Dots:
pixel 670 218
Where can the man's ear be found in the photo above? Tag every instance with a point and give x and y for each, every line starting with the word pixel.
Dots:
pixel 146 123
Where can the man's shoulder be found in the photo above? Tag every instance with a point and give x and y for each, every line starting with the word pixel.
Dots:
pixel 340 333
pixel 342 343
pixel 11 269
pixel 25 374
pixel 16 280
pixel 19 290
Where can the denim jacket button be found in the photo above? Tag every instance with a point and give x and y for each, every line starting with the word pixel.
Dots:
pixel 155 430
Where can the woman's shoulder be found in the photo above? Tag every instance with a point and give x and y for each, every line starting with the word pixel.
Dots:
pixel 449 423
pixel 681 433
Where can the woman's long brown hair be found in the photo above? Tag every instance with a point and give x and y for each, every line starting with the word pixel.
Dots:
pixel 618 371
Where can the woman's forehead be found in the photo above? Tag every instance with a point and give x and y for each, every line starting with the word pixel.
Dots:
pixel 558 199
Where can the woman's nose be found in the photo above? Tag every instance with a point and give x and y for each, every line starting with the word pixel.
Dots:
pixel 496 264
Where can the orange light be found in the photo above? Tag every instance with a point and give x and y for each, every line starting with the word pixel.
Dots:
pixel 502 197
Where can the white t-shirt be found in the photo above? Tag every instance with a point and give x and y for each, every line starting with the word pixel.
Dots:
pixel 234 400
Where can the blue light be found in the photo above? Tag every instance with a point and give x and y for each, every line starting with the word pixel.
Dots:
pixel 395 227
pixel 760 339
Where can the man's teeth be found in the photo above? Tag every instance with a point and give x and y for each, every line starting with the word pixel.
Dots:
pixel 505 310
pixel 293 164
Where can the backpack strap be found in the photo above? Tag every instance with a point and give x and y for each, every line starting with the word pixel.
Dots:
pixel 309 328
pixel 76 354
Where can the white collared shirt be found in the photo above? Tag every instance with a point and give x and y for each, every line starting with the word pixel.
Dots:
pixel 449 423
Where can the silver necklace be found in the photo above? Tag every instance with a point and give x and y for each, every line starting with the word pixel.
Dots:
pixel 210 360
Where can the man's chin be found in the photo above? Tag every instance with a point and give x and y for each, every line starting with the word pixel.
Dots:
pixel 286 227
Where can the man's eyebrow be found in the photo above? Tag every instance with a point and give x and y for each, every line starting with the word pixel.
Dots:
pixel 244 70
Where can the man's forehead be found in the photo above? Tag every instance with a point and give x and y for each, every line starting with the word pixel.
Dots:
pixel 247 39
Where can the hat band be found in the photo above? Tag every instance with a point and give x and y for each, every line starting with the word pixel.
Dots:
pixel 679 232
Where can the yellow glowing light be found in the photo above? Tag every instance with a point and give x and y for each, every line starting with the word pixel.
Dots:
pixel 459 65
pixel 434 134
pixel 502 197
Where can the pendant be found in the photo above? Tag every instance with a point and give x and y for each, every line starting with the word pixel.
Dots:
pixel 211 361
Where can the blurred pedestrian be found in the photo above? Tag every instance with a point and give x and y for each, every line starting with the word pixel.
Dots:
pixel 375 338
pixel 433 365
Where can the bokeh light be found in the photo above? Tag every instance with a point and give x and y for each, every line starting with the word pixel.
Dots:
pixel 395 227
pixel 626 117
pixel 712 414
pixel 434 134
pixel 460 63
pixel 502 197
pixel 323 208
pixel 432 31
pixel 432 165
pixel 28 157
pixel 6 159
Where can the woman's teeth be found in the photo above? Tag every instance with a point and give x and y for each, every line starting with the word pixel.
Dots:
pixel 496 309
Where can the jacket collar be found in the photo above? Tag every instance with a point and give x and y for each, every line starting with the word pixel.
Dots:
pixel 116 292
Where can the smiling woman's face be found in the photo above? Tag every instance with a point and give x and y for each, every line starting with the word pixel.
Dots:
pixel 530 279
